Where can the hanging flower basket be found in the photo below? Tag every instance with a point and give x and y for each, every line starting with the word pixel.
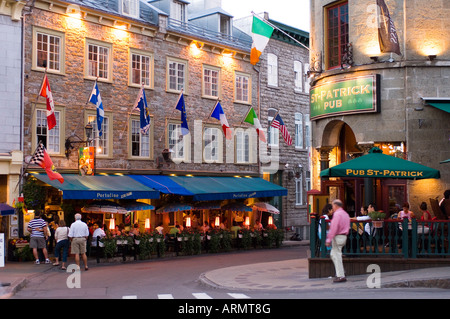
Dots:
pixel 378 223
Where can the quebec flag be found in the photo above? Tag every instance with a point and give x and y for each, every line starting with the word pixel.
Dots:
pixel 96 99
pixel 141 104
pixel 182 108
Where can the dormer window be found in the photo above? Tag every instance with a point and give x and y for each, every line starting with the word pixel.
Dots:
pixel 130 8
pixel 224 24
pixel 178 11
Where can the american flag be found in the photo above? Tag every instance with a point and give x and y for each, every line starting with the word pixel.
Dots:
pixel 279 124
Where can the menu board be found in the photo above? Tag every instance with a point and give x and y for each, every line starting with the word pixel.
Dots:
pixel 86 161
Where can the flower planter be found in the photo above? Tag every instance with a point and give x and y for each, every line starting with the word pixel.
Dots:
pixel 150 240
pixel 240 235
pixel 377 223
pixel 179 239
pixel 121 242
pixel 208 237
pixel 158 240
pixel 137 242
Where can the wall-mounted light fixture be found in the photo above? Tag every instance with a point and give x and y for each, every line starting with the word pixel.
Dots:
pixel 73 10
pixel 431 57
pixel 374 58
pixel 69 144
pixel 121 25
pixel 228 53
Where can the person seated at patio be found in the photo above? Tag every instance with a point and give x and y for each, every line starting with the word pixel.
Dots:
pixel 258 226
pixel 364 216
pixel 160 228
pixel 235 228
pixel 223 224
pixel 135 230
pixel 180 227
pixel 406 213
pixel 205 227
pixel 444 204
pixel 116 231
pixel 174 230
pixel 98 232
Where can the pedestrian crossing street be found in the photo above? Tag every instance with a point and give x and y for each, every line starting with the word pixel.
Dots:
pixel 197 295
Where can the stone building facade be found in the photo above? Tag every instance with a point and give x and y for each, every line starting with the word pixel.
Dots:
pixel 404 124
pixel 120 47
pixel 284 90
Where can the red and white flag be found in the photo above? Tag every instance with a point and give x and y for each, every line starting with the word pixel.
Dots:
pixel 41 158
pixel 47 93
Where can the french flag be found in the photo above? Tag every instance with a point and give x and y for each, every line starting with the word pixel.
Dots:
pixel 219 114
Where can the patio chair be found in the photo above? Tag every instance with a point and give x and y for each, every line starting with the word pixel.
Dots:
pixel 436 210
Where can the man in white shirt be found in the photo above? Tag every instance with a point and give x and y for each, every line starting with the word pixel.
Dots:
pixel 78 234
pixel 98 232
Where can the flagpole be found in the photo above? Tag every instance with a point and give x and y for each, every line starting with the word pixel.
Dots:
pixel 286 34
pixel 25 168
pixel 242 122
pixel 173 111
pixel 35 103
pixel 212 110
pixel 131 112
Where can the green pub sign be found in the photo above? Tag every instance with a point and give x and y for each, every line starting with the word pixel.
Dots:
pixel 347 96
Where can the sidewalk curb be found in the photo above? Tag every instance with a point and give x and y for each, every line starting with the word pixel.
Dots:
pixel 18 284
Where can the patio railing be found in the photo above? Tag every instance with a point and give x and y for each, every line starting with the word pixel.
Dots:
pixel 417 239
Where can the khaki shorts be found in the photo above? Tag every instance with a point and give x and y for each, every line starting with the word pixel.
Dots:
pixel 78 246
pixel 38 242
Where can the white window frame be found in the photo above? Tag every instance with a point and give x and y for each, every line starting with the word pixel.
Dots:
pixel 56 134
pixel 299 190
pixel 272 70
pixel 133 6
pixel 103 145
pixel 273 134
pixel 134 126
pixel 61 50
pixel 211 73
pixel 181 82
pixel 298 76
pixel 178 11
pixel 242 88
pixel 139 59
pixel 227 21
pixel 299 144
pixel 210 131
pixel 174 145
pixel 89 63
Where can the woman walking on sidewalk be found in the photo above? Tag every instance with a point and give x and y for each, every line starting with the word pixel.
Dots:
pixel 62 242
pixel 337 237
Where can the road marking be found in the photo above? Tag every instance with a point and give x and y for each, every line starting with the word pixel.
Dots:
pixel 129 297
pixel 201 295
pixel 165 296
pixel 238 296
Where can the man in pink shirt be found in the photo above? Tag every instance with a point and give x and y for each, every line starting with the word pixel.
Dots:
pixel 337 237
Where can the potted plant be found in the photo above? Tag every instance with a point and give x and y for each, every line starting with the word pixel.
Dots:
pixel 377 219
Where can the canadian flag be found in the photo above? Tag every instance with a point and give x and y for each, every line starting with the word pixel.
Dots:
pixel 47 93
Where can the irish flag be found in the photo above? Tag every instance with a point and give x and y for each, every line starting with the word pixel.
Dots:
pixel 219 114
pixel 253 120
pixel 261 33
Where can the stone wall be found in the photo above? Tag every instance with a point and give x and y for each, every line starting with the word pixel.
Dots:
pixel 10 84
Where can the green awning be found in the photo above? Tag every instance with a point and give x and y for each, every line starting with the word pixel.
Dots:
pixel 225 187
pixel 441 105
pixel 378 165
pixel 100 187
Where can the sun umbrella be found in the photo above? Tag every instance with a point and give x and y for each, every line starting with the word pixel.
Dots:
pixel 378 165
pixel 137 206
pixel 104 207
pixel 174 207
pixel 5 210
pixel 265 207
pixel 237 207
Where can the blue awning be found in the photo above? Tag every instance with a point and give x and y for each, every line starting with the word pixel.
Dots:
pixel 162 183
pixel 226 187
pixel 6 210
pixel 100 187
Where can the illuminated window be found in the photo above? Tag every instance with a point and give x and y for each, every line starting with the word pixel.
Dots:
pixel 101 143
pixel 140 143
pixel 176 75
pixel 336 33
pixel 50 138
pixel 98 60
pixel 141 69
pixel 48 50
pixel 211 81
pixel 242 88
